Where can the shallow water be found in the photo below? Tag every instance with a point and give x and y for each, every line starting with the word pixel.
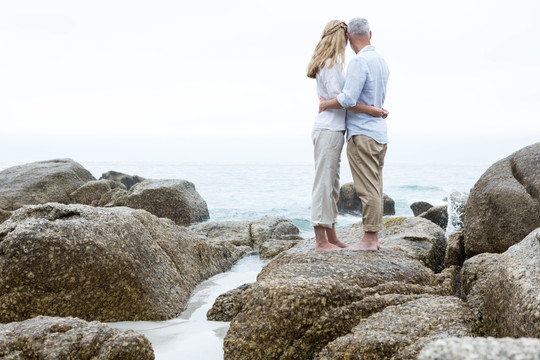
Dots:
pixel 191 336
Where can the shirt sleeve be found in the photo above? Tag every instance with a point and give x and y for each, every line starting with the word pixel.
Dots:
pixel 354 82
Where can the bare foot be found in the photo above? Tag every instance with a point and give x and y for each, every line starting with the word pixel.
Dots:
pixel 370 242
pixel 333 239
pixel 326 247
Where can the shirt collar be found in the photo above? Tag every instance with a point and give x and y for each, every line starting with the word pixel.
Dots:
pixel 368 48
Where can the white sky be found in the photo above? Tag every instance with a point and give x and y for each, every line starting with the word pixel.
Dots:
pixel 225 80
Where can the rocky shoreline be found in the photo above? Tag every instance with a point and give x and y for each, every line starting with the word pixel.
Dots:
pixel 76 251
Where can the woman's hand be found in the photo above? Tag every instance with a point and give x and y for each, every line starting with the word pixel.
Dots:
pixel 322 104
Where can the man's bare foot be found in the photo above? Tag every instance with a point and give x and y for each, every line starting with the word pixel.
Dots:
pixel 326 247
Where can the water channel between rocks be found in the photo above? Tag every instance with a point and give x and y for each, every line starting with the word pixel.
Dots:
pixel 191 336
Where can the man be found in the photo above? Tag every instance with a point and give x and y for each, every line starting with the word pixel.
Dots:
pixel 365 83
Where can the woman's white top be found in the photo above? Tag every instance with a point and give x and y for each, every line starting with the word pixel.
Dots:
pixel 330 82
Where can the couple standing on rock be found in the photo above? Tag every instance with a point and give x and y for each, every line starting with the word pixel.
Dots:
pixel 352 103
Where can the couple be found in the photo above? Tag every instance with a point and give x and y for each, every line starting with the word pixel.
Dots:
pixel 353 103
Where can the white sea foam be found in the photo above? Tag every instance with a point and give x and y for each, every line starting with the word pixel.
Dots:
pixel 191 336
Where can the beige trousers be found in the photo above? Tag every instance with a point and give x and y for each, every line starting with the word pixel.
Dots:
pixel 366 159
pixel 327 147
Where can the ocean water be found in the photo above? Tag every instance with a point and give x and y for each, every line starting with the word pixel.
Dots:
pixel 253 191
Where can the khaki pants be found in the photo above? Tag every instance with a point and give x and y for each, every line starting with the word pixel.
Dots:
pixel 327 146
pixel 366 159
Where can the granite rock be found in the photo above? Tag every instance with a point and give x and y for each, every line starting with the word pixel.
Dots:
pixel 41 182
pixel 504 204
pixel 438 215
pixel 419 207
pixel 349 202
pixel 475 348
pixel 69 338
pixel 92 192
pixel 455 249
pixel 127 180
pixel 401 331
pixel 106 264
pixel 177 200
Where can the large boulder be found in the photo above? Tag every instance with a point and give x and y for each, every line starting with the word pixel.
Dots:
pixel 503 289
pixel 504 204
pixel 41 182
pixel 401 331
pixel 127 180
pixel 174 199
pixel 68 338
pixel 349 202
pixel 475 348
pixel 106 264
pixel 303 299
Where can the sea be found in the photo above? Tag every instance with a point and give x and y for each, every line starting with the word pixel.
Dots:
pixel 254 191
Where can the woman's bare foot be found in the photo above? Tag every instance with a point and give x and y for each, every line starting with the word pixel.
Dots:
pixel 333 239
pixel 327 247
pixel 370 242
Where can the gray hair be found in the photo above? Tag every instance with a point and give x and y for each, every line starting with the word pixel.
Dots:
pixel 358 26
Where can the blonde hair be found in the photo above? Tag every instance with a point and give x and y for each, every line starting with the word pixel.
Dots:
pixel 331 46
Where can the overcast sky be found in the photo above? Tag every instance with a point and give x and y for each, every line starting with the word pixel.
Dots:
pixel 225 80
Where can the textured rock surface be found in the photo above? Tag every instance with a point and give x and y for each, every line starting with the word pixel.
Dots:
pixel 127 180
pixel 471 348
pixel 302 299
pixel 107 264
pixel 401 331
pixel 269 235
pixel 227 305
pixel 92 192
pixel 455 250
pixel 420 238
pixel 68 338
pixel 169 198
pixel 438 215
pixel 4 215
pixel 350 203
pixel 419 207
pixel 504 289
pixel 504 204
pixel 41 182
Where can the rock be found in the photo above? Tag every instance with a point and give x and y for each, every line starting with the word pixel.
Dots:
pixel 420 238
pixel 503 289
pixel 257 234
pixel 41 182
pixel 504 204
pixel 127 180
pixel 272 248
pixel 401 331
pixel 4 215
pixel 68 338
pixel 112 197
pixel 437 214
pixel 106 264
pixel 303 299
pixel 474 348
pixel 169 198
pixel 455 250
pixel 91 192
pixel 349 202
pixel 227 305
pixel 419 207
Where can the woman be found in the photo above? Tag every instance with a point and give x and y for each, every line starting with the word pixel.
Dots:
pixel 326 66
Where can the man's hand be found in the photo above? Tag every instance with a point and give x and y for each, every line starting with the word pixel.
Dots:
pixel 384 113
